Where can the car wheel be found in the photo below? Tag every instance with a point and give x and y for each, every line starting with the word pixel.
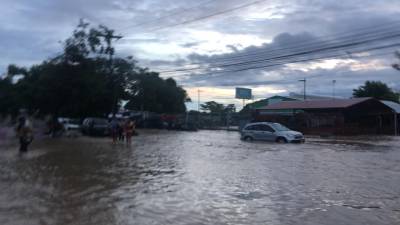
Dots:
pixel 248 138
pixel 281 140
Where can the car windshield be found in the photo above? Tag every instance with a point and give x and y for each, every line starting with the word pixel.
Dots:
pixel 280 127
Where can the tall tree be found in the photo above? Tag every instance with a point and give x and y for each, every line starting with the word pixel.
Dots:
pixel 378 90
pixel 152 93
pixel 88 79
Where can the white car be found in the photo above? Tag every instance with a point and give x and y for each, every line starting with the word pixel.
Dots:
pixel 70 124
pixel 268 131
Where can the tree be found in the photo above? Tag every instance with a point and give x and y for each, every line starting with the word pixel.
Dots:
pixel 152 93
pixel 7 94
pixel 87 79
pixel 215 107
pixel 212 107
pixel 230 108
pixel 378 90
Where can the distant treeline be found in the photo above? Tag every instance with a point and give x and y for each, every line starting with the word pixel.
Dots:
pixel 88 79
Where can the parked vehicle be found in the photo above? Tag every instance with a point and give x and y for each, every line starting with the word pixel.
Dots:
pixel 268 131
pixel 95 127
pixel 70 127
pixel 70 124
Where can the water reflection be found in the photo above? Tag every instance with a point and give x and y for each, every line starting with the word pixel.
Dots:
pixel 201 178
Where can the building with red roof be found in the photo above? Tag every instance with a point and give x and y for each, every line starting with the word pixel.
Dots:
pixel 333 116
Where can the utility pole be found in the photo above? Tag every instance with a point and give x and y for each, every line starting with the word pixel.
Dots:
pixel 333 89
pixel 304 91
pixel 109 37
pixel 198 99
pixel 198 107
pixel 395 123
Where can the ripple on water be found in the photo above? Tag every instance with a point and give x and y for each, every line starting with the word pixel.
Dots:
pixel 200 178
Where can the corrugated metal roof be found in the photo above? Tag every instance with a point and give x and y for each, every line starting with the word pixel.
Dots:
pixel 394 105
pixel 311 97
pixel 316 104
pixel 267 101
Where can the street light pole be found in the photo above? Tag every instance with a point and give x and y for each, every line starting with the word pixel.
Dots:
pixel 304 91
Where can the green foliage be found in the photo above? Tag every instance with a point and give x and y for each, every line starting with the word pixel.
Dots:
pixel 15 70
pixel 215 107
pixel 378 90
pixel 212 107
pixel 152 93
pixel 7 96
pixel 230 108
pixel 86 80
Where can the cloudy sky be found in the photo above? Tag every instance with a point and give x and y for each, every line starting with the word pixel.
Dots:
pixel 217 45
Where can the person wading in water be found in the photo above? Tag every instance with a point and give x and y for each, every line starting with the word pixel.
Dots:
pixel 129 130
pixel 114 129
pixel 24 133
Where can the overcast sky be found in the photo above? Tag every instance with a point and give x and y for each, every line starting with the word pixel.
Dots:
pixel 31 31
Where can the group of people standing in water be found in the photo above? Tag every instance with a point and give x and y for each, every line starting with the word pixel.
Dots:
pixel 121 130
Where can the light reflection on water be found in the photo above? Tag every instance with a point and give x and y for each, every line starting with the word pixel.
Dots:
pixel 207 177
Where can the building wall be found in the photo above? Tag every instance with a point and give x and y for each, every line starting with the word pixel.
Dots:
pixel 352 121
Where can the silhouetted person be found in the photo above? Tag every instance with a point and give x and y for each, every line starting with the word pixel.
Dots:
pixel 24 132
pixel 129 130
pixel 121 131
pixel 114 130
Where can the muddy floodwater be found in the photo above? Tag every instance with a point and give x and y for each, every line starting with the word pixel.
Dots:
pixel 205 177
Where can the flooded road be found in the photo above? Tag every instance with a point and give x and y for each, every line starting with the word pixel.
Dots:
pixel 206 177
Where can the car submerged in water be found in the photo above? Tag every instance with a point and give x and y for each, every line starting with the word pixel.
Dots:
pixel 268 131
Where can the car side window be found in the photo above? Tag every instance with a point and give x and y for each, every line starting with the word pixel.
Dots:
pixel 266 128
pixel 251 127
pixel 257 127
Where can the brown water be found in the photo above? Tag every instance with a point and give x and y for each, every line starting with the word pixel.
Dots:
pixel 206 177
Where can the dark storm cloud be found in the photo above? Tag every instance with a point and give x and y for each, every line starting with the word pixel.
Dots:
pixel 191 44
pixel 284 76
pixel 253 56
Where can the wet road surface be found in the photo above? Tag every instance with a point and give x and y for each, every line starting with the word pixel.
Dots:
pixel 206 177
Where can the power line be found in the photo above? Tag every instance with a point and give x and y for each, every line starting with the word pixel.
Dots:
pixel 261 83
pixel 295 61
pixel 198 18
pixel 375 37
pixel 324 49
pixel 377 29
pixel 292 46
pixel 168 15
pixel 211 15
pixel 316 58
